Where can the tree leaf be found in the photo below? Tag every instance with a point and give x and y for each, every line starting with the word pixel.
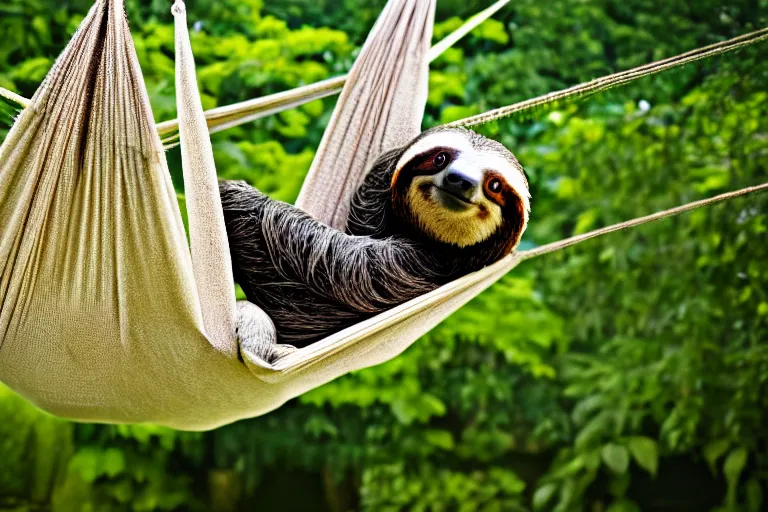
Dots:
pixel 616 457
pixel 440 438
pixel 754 496
pixel 114 462
pixel 623 506
pixel 543 494
pixel 713 451
pixel 645 452
pixel 87 464
pixel 733 467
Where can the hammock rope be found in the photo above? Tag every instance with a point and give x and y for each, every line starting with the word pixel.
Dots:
pixel 15 98
pixel 638 221
pixel 605 83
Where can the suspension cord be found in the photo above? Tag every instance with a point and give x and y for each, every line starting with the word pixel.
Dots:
pixel 568 242
pixel 617 79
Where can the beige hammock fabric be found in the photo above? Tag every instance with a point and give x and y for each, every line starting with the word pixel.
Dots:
pixel 93 250
pixel 104 315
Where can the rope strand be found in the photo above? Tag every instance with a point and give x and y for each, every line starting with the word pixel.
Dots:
pixel 15 98
pixel 568 242
pixel 617 79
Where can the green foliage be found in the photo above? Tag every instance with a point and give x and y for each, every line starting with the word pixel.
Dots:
pixel 602 378
pixel 34 449
pixel 437 489
pixel 130 467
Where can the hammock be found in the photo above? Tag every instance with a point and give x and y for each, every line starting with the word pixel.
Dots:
pixel 104 313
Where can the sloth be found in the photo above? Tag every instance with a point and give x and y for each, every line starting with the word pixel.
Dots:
pixel 447 204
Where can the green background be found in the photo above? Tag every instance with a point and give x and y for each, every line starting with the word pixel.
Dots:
pixel 629 373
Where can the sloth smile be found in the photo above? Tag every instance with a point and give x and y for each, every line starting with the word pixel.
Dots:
pixel 451 200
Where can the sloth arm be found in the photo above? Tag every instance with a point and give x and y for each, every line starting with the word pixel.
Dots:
pixel 274 243
pixel 313 280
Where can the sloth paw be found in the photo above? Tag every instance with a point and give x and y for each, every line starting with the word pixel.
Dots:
pixel 256 334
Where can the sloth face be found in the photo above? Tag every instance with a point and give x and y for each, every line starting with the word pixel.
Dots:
pixel 460 188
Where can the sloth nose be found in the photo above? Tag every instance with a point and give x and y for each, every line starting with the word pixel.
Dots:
pixel 460 183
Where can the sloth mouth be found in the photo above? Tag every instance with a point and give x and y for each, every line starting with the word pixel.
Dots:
pixel 452 200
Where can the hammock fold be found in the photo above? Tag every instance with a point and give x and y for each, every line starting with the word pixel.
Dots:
pixel 380 108
pixel 93 249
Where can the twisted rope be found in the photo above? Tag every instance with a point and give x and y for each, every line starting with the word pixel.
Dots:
pixel 617 79
pixel 568 242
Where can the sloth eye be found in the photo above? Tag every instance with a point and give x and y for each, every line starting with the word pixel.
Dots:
pixel 441 159
pixel 494 185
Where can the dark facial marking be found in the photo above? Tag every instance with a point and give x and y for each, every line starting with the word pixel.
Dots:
pixel 424 164
pixel 513 222
pixel 498 190
pixel 496 187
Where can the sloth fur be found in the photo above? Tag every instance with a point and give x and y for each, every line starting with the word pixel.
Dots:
pixel 312 280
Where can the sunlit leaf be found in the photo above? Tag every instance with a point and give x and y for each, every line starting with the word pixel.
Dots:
pixel 645 452
pixel 616 457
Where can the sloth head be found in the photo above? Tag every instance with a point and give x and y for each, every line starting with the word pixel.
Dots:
pixel 460 188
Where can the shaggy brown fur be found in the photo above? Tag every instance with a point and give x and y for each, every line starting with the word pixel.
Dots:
pixel 313 280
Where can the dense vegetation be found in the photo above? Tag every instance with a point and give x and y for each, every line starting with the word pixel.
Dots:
pixel 629 373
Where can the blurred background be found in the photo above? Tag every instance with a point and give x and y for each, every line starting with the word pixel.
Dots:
pixel 627 374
